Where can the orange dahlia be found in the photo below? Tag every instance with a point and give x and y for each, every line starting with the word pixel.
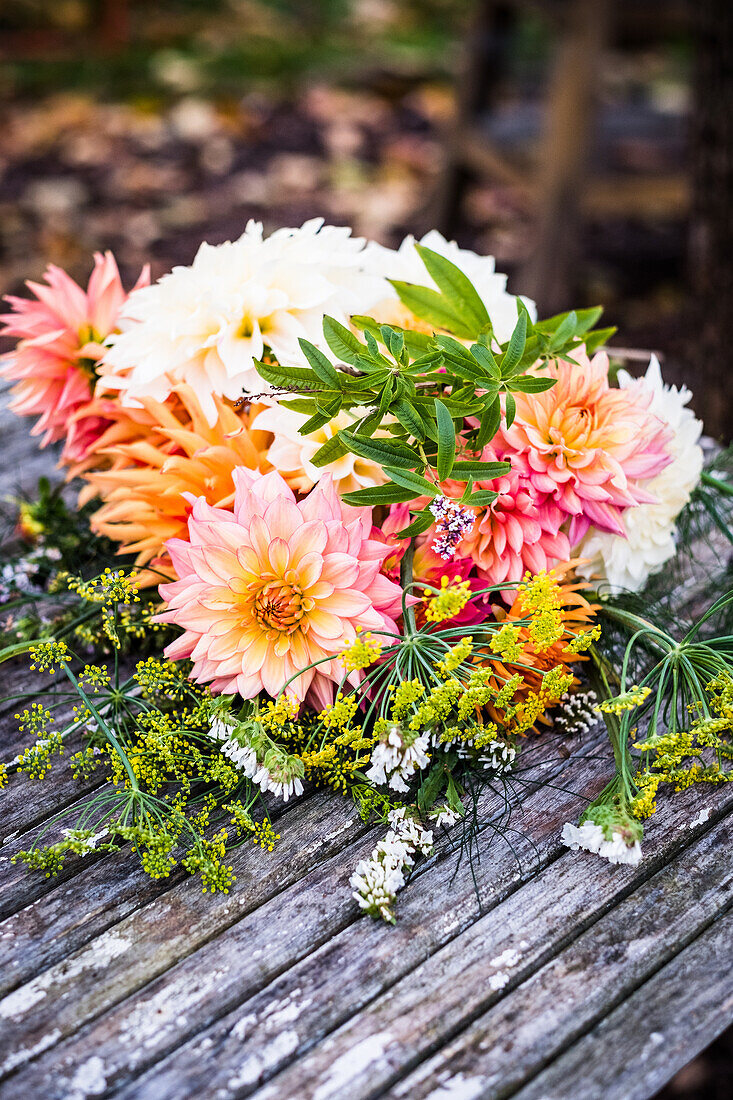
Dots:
pixel 150 457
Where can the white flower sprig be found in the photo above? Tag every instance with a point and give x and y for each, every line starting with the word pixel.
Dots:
pixel 398 756
pixel 376 880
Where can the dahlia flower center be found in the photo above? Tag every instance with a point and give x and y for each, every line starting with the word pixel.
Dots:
pixel 280 605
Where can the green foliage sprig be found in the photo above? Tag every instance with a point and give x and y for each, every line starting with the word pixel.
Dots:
pixel 426 405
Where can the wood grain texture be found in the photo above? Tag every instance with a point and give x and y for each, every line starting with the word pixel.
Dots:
pixel 666 1022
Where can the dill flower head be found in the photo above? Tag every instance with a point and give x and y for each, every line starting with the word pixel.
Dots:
pixel 207 324
pixel 273 586
pixel 60 336
pixel 586 445
pixel 152 464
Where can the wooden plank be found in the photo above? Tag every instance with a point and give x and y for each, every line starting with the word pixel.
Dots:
pixel 422 1012
pixel 205 984
pixel 603 967
pixel 48 919
pixel 653 1034
pixel 150 940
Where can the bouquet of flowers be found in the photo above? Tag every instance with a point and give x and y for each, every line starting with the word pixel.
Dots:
pixel 372 515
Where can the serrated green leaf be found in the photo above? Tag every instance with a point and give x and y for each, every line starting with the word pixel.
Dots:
pixel 564 331
pixel 484 357
pixel 530 383
pixel 489 423
pixel 458 289
pixel 446 440
pixel 318 420
pixel 481 497
pixel 481 471
pixel 422 522
pixel 430 305
pixel 409 418
pixel 291 378
pixel 321 365
pixel 597 339
pixel 510 410
pixel 420 486
pixel 329 406
pixel 298 404
pixel 342 342
pixel 515 347
pixel 386 452
pixel 332 449
pixel 379 494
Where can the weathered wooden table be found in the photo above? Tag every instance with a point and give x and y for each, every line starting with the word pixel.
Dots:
pixel 552 975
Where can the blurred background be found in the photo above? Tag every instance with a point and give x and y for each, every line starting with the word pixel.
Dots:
pixel 587 144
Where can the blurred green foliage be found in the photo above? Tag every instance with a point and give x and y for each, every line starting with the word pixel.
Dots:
pixel 219 47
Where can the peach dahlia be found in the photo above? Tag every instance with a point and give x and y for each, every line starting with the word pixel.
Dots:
pixel 275 588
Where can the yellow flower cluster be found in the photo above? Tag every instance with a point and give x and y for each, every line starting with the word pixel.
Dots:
pixel 628 700
pixel 48 656
pixel 362 652
pixel 449 602
pixel 506 643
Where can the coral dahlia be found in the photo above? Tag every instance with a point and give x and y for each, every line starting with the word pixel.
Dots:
pixel 274 586
pixel 150 457
pixel 60 337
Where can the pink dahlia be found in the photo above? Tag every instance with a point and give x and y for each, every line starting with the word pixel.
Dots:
pixel 273 586
pixel 60 337
pixel 586 445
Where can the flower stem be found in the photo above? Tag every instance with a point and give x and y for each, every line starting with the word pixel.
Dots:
pixel 715 483
pixel 405 580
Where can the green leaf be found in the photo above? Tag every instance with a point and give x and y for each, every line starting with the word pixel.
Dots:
pixel 321 365
pixel 329 406
pixel 409 418
pixel 457 288
pixel 530 383
pixel 481 497
pixel 598 338
pixel 489 424
pixel 420 486
pixel 298 404
pixel 343 343
pixel 431 787
pixel 515 347
pixel 332 449
pixel 485 359
pixel 483 471
pixel 379 494
pixel 291 378
pixel 386 452
pixel 511 410
pixel 564 331
pixel 430 306
pixel 318 420
pixel 446 440
pixel 422 522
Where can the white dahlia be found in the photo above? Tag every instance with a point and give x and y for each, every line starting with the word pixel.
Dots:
pixel 405 265
pixel 291 453
pixel 627 563
pixel 207 323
